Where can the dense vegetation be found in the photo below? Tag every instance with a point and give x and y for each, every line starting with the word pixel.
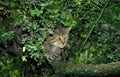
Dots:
pixel 24 25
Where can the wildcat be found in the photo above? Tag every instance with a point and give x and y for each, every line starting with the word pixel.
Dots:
pixel 55 42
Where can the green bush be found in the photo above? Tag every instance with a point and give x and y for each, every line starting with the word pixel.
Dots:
pixel 25 24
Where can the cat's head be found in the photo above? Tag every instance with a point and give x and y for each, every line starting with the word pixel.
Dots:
pixel 60 37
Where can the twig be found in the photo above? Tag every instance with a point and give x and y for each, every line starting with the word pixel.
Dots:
pixel 92 28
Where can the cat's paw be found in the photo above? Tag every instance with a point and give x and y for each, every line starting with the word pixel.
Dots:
pixel 55 58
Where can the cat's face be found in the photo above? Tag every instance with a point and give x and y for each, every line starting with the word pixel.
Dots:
pixel 60 37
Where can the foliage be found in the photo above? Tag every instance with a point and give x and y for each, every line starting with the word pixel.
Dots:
pixel 25 25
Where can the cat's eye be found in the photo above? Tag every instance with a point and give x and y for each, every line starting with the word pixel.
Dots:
pixel 60 38
pixel 51 35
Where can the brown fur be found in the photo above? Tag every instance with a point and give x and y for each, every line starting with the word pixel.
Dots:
pixel 54 43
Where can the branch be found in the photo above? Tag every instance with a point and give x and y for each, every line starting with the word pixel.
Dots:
pixel 88 69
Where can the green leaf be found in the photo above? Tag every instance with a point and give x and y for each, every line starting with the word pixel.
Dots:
pixel 110 56
pixel 24 58
pixel 36 12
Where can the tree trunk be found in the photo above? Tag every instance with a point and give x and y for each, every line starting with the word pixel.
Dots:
pixel 88 69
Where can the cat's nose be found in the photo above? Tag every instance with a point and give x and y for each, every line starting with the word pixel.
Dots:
pixel 63 42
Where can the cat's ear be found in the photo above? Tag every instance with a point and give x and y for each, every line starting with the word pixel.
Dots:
pixel 68 29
